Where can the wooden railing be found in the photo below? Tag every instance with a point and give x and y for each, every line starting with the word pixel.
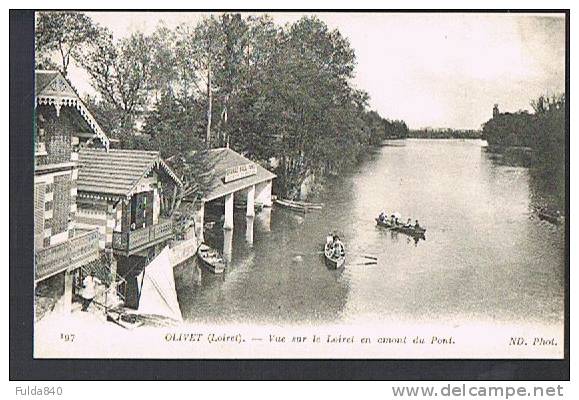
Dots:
pixel 182 250
pixel 73 253
pixel 142 238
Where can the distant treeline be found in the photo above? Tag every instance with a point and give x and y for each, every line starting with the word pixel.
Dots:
pixel 382 128
pixel 541 129
pixel 444 134
pixel 544 132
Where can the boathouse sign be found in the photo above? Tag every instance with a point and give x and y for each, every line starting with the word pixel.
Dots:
pixel 239 172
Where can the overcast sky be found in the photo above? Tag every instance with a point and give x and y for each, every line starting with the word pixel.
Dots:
pixel 431 70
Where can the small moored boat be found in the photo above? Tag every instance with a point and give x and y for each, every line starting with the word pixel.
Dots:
pixel 407 230
pixel 125 320
pixel 553 217
pixel 210 259
pixel 332 260
pixel 300 206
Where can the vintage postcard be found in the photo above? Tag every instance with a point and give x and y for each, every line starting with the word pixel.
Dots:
pixel 328 185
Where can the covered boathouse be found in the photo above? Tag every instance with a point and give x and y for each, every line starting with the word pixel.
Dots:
pixel 236 181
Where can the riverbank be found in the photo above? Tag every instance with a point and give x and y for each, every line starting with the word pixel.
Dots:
pixel 313 186
pixel 544 174
pixel 444 134
pixel 518 156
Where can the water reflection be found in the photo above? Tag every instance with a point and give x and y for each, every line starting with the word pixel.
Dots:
pixel 227 245
pixel 263 219
pixel 249 230
pixel 546 191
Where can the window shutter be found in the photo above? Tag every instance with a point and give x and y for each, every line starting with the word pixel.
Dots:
pixel 61 204
pixel 39 191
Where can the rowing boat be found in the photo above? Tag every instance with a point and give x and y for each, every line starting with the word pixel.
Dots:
pixel 125 320
pixel 551 217
pixel 407 230
pixel 333 261
pixel 210 259
pixel 300 206
pixel 308 204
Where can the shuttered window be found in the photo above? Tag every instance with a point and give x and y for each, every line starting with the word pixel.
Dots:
pixel 39 191
pixel 61 204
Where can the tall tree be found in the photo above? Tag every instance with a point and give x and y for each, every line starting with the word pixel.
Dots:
pixel 282 96
pixel 310 92
pixel 62 34
pixel 229 75
pixel 247 70
pixel 199 49
pixel 121 73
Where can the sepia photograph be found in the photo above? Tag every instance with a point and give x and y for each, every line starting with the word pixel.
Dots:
pixel 300 185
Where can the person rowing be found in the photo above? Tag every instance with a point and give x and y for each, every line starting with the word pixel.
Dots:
pixel 329 239
pixel 338 248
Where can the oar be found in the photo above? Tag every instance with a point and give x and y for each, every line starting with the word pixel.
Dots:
pixel 365 256
pixel 366 263
pixel 309 254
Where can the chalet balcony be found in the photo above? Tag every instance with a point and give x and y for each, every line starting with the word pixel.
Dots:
pixel 128 243
pixel 73 253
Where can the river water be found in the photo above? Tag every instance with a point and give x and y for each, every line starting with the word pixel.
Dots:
pixel 486 257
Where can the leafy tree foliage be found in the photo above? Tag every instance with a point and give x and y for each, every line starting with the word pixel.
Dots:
pixel 61 35
pixel 122 74
pixel 516 129
pixel 545 132
pixel 543 129
pixel 281 95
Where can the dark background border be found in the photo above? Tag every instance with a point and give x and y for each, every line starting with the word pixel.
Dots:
pixel 22 365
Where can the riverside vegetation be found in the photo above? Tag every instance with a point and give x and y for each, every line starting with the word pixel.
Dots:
pixel 543 134
pixel 280 95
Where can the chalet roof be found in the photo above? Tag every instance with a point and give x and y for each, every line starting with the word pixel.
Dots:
pixel 224 158
pixel 52 88
pixel 69 117
pixel 117 172
pixel 43 79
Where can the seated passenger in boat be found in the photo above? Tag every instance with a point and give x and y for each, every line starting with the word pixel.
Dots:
pixel 416 225
pixel 338 248
pixel 383 216
pixel 408 223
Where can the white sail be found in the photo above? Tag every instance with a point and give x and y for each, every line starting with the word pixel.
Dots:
pixel 158 294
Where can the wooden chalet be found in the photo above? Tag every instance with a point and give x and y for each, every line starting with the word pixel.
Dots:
pixel 63 125
pixel 119 195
